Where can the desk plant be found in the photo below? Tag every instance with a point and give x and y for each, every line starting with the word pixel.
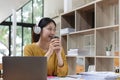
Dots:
pixel 108 50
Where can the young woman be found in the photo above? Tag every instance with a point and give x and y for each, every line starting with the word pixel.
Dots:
pixel 51 48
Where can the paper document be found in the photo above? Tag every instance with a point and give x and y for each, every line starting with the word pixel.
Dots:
pixel 69 77
pixel 99 75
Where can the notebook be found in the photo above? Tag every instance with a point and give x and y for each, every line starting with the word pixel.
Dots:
pixel 24 68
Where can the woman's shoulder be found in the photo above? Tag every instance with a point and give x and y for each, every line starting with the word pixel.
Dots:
pixel 30 45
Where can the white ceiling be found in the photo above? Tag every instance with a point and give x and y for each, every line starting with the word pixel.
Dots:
pixel 6 7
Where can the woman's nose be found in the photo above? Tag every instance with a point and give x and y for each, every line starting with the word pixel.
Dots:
pixel 52 32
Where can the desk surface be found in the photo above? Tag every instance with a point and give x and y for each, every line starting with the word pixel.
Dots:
pixel 64 78
pixel 73 78
pixel 87 76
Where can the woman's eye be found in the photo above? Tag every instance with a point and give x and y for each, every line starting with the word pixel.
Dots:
pixel 50 29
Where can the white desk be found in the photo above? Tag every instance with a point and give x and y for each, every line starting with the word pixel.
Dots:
pixel 89 76
pixel 86 76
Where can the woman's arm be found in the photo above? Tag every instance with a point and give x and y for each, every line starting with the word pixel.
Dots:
pixel 62 70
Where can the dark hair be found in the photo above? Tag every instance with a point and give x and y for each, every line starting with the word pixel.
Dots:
pixel 45 21
pixel 42 23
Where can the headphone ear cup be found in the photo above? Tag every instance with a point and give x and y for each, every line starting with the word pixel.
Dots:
pixel 36 29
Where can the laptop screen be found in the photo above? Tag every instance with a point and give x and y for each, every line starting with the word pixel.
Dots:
pixel 24 68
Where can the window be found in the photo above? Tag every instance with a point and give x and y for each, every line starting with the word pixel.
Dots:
pixel 27 32
pixel 19 16
pixel 19 41
pixel 37 10
pixel 27 13
pixel 26 17
pixel 4 39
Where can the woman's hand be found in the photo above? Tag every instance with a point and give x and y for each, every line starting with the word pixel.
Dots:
pixel 56 45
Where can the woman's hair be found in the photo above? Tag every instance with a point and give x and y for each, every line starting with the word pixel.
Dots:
pixel 45 21
pixel 42 23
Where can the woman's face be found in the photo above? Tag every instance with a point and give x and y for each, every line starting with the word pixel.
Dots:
pixel 48 31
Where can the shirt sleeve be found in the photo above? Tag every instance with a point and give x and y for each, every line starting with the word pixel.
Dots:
pixel 63 71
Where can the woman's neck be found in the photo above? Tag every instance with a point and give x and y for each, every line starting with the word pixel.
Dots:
pixel 43 44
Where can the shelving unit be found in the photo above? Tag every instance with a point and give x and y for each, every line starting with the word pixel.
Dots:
pixel 107 13
pixel 78 3
pixel 85 18
pixel 96 24
pixel 104 64
pixel 89 61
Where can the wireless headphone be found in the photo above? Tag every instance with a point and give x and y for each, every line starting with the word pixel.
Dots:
pixel 37 29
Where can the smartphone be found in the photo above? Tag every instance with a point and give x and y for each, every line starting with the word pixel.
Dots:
pixel 54 37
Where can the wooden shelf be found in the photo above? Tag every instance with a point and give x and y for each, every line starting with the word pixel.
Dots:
pixel 84 32
pixel 107 13
pixel 96 24
pixel 68 20
pixel 85 18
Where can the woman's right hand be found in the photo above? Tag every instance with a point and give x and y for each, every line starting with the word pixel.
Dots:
pixel 55 44
pixel 52 46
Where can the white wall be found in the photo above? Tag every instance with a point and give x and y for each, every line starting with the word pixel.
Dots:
pixel 53 8
pixel 6 7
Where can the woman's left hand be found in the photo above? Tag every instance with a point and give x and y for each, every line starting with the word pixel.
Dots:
pixel 57 45
pixel 58 49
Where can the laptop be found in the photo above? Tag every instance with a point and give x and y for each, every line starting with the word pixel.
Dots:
pixel 24 68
